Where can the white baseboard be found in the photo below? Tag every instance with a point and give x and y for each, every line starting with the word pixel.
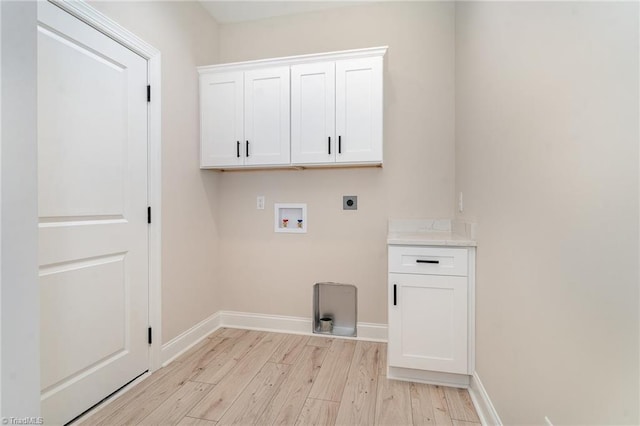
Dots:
pixel 185 341
pixel 264 322
pixel 481 401
pixel 293 325
pixel 372 331
pixel 275 323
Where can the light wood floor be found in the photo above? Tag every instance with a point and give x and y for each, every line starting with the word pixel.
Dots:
pixel 252 377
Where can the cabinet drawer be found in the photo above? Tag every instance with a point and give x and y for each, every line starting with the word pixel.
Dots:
pixel 428 260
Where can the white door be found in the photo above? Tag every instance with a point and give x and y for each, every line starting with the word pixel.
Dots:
pixel 428 323
pixel 266 116
pixel 221 119
pixel 359 110
pixel 313 113
pixel 92 195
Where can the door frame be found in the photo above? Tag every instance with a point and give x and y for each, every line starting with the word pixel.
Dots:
pixel 102 23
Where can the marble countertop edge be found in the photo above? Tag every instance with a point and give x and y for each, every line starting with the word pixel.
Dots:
pixel 430 232
pixel 429 239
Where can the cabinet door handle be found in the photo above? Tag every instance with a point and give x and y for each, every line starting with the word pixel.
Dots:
pixel 247 148
pixel 339 144
pixel 395 295
pixel 238 149
pixel 329 144
pixel 427 261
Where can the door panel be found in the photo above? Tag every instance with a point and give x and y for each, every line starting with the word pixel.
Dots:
pixel 266 116
pixel 91 171
pixel 313 113
pixel 66 322
pixel 428 324
pixel 93 243
pixel 359 110
pixel 221 120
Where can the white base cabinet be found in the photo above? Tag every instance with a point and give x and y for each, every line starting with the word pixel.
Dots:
pixel 431 325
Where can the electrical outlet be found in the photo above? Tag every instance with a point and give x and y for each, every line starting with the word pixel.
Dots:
pixel 260 202
pixel 460 203
pixel 350 202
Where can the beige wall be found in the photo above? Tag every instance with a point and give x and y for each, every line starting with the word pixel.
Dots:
pixel 530 108
pixel 273 273
pixel 547 158
pixel 187 37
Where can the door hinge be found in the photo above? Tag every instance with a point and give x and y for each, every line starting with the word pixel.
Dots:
pixel 150 336
pixel 149 214
pixel 148 93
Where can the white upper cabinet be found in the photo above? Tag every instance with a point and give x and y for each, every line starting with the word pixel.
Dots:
pixel 221 119
pixel 323 109
pixel 359 110
pixel 244 118
pixel 266 116
pixel 336 112
pixel 313 113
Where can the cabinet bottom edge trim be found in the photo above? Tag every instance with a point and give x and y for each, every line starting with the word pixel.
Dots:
pixel 429 377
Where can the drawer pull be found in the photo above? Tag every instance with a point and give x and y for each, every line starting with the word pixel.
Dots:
pixel 395 297
pixel 427 261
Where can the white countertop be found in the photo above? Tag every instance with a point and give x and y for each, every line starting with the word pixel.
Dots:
pixel 431 232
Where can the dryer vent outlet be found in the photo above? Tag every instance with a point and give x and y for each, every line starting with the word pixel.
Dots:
pixel 350 202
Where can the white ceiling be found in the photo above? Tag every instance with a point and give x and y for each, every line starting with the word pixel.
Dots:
pixel 240 10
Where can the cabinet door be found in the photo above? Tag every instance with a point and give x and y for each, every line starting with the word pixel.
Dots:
pixel 313 113
pixel 266 116
pixel 359 110
pixel 221 119
pixel 428 322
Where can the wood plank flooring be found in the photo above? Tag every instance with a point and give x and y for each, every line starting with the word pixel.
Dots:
pixel 242 377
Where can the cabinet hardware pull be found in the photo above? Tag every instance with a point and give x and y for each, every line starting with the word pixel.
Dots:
pixel 395 296
pixel 339 144
pixel 238 149
pixel 247 148
pixel 427 261
pixel 329 144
